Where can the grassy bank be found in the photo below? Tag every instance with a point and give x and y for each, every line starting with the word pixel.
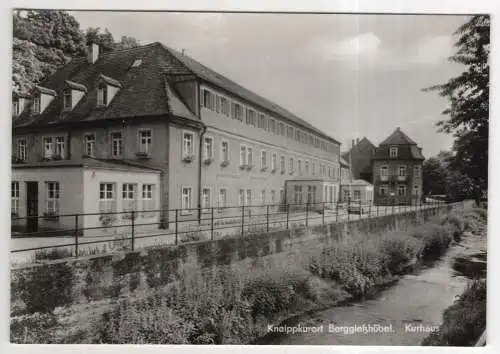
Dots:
pixel 231 305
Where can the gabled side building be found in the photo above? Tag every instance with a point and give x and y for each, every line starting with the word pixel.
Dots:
pixel 397 170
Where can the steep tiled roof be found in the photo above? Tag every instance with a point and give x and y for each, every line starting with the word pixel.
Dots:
pixel 223 82
pixel 407 147
pixel 45 90
pixel 398 137
pixel 76 86
pixel 142 94
pixel 144 91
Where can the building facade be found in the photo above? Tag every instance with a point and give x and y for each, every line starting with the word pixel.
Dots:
pixel 360 157
pixel 150 129
pixel 397 170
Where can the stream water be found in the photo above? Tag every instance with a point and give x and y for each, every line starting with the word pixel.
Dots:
pixel 402 314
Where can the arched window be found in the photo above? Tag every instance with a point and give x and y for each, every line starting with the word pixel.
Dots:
pixel 67 99
pixel 102 95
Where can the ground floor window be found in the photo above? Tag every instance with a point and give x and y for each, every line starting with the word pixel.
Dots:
pixel 129 192
pixel 186 201
pixel 242 197
pixel 222 199
pixel 205 199
pixel 347 195
pixel 263 196
pixel 14 202
pixel 249 197
pixel 148 198
pixel 309 195
pixel 52 206
pixel 298 195
pixel 273 197
pixel 357 195
pixel 282 195
pixel 401 191
pixel 107 198
pixel 382 191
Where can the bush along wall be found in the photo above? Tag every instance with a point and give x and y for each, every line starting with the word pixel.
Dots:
pixel 221 291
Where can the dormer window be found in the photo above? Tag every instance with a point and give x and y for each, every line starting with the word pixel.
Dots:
pixel 67 99
pixel 102 95
pixel 393 151
pixel 35 104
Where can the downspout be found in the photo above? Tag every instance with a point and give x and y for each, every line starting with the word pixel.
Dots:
pixel 200 163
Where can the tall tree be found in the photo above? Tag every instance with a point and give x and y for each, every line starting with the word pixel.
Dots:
pixel 468 95
pixel 126 43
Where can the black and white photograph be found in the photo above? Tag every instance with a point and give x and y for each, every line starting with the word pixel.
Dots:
pixel 248 178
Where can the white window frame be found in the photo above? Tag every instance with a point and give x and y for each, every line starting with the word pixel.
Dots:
pixel 102 94
pixel 145 142
pixel 107 201
pixel 249 155
pixel 208 147
pixel 235 113
pixel 48 146
pixel 119 144
pixel 248 196
pixel 299 166
pixel 274 161
pixel 60 146
pixel 393 152
pixel 263 160
pixel 129 204
pixel 36 104
pixel 417 171
pixel 187 151
pixel 148 200
pixel 263 197
pixel 384 176
pixel 52 202
pixel 283 163
pixel 273 197
pixel 306 167
pixel 67 93
pixel 404 189
pixel 243 155
pixel 14 198
pixel 222 202
pixel 21 149
pixel 225 105
pixel 290 165
pixel 402 170
pixel 224 155
pixel 205 207
pixel 186 204
pixel 89 144
pixel 241 197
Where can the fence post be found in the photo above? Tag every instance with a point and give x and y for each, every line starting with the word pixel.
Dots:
pixel 133 229
pixel 212 224
pixel 242 220
pixel 323 215
pixel 267 218
pixel 76 235
pixel 176 225
pixel 287 214
pixel 307 214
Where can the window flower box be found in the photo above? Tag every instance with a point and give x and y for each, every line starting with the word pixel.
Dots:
pixel 224 163
pixel 107 219
pixel 50 216
pixel 208 160
pixel 188 158
pixel 248 167
pixel 142 155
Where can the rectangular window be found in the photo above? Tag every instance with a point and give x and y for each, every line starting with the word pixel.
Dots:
pixel 416 190
pixel 116 144
pixel 146 139
pixel 129 196
pixel 313 168
pixel 225 108
pixel 290 165
pixel 241 197
pixel 273 197
pixel 263 160
pixel 281 129
pixel 314 194
pixel 208 100
pixel 14 200
pixel 89 144
pixel 107 200
pixel 261 122
pixel 48 148
pixel 263 196
pixel 237 110
pixel 217 103
pixel 208 148
pixel 299 166
pixel 384 173
pixel 249 197
pixel 60 147
pixel 21 149
pixel 67 99
pixel 306 167
pixel 187 145
pixel 35 106
pixel 250 117
pixel 186 200
pixel 297 135
pixel 205 199
pixel 282 195
pixel 357 195
pixel 298 195
pixel 416 171
pixel 222 199
pixel 401 191
pixel 249 156
pixel 274 161
pixel 393 151
pixel 52 198
pixel 282 163
pixel 272 126
pixel 224 153
pixel 243 155
pixel 289 132
pixel 402 171
pixel 309 195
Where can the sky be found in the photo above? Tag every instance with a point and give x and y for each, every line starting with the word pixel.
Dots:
pixel 350 75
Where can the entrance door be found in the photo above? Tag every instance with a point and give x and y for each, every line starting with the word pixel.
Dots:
pixel 32 206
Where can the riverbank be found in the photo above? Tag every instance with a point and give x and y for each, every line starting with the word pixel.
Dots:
pixel 235 307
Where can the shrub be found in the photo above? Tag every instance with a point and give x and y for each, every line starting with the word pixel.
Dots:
pixel 435 239
pixel 53 253
pixel 464 321
pixel 398 250
pixel 33 328
pixel 456 222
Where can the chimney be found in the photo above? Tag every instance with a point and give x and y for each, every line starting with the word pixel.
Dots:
pixel 357 141
pixel 92 53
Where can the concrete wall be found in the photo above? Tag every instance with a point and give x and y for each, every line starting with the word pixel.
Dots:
pixel 72 281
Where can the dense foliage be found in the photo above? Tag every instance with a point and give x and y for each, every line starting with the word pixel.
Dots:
pixel 468 95
pixel 43 40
